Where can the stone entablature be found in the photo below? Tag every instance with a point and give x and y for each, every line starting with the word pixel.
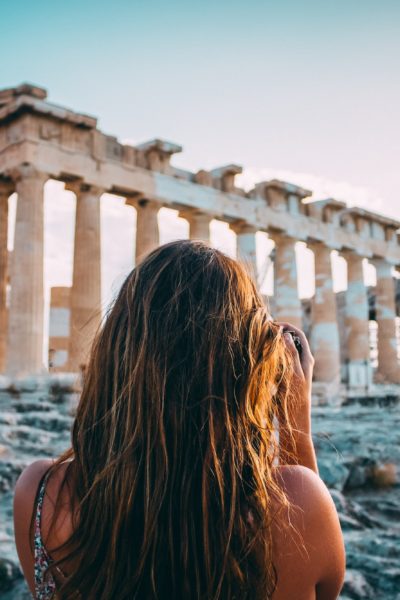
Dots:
pixel 68 146
pixel 40 140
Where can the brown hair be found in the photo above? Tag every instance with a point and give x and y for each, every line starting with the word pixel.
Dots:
pixel 173 444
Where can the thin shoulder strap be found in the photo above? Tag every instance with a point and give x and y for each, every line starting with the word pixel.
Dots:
pixel 44 583
pixel 39 505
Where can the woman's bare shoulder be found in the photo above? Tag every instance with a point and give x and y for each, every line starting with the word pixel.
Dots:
pixel 27 486
pixel 310 550
pixel 303 487
pixel 27 483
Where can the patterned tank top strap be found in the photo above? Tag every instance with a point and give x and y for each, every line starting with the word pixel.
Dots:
pixel 44 584
pixel 39 502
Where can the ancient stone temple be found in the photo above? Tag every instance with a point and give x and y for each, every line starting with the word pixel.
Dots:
pixel 41 141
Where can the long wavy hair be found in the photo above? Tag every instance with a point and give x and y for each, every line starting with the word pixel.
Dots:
pixel 174 443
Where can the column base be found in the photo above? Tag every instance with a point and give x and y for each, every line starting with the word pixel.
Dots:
pixel 359 376
pixel 322 393
pixel 385 379
pixel 381 394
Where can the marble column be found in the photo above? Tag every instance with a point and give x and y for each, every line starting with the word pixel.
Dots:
pixel 147 231
pixel 86 280
pixel 388 363
pixel 286 298
pixel 357 350
pixel 199 225
pixel 324 339
pixel 246 246
pixel 5 191
pixel 25 318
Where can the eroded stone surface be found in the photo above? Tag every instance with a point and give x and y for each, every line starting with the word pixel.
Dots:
pixel 358 451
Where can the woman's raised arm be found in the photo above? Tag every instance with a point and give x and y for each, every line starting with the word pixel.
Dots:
pixel 297 447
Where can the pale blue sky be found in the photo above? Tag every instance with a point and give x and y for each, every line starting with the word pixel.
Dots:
pixel 303 87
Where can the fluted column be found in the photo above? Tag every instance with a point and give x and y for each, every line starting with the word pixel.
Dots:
pixel 199 225
pixel 286 296
pixel 246 246
pixel 324 339
pixel 147 230
pixel 357 351
pixel 25 319
pixel 86 280
pixel 5 191
pixel 388 363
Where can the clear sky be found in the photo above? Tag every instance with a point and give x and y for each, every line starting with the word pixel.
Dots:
pixel 310 88
pixel 305 90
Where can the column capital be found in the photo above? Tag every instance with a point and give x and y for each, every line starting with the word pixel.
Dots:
pixel 351 254
pixel 384 268
pixel 281 236
pixel 242 227
pixel 80 187
pixel 316 245
pixel 194 213
pixel 133 200
pixel 27 171
pixel 199 223
pixel 380 261
pixel 140 201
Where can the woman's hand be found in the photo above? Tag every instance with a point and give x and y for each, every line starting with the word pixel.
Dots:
pixel 303 364
pixel 298 447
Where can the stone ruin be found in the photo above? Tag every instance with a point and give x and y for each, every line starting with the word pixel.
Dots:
pixel 40 141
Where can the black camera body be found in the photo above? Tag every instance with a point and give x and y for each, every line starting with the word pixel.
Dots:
pixel 297 342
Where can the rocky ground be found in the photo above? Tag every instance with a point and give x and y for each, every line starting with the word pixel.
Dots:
pixel 358 450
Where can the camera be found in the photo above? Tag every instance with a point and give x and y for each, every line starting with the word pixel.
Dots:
pixel 297 342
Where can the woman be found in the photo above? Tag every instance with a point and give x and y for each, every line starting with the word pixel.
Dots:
pixel 176 486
